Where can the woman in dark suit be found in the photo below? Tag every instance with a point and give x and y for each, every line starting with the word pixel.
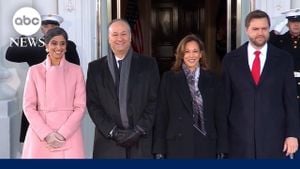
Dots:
pixel 187 121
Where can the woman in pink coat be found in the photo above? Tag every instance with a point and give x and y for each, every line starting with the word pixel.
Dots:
pixel 54 103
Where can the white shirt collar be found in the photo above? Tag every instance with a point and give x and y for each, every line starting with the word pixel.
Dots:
pixel 117 59
pixel 251 56
pixel 262 50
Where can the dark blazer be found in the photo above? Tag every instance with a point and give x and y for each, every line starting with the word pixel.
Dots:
pixel 260 117
pixel 174 134
pixel 33 56
pixel 102 104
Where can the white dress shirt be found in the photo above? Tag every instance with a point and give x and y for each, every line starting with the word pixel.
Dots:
pixel 262 56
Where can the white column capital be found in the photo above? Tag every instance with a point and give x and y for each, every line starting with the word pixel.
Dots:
pixel 295 4
pixel 45 6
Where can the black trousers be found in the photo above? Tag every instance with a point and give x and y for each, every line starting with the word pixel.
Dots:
pixel 24 127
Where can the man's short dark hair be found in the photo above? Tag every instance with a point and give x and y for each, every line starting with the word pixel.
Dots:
pixel 257 14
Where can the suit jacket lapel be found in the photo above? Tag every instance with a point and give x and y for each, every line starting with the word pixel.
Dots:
pixel 134 71
pixel 201 83
pixel 184 91
pixel 242 65
pixel 203 86
pixel 109 82
pixel 269 64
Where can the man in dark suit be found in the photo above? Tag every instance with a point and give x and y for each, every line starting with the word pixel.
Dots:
pixel 33 55
pixel 260 96
pixel 121 98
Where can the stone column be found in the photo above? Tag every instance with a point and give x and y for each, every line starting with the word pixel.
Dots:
pixel 8 117
pixel 295 4
pixel 80 19
pixel 9 114
pixel 45 6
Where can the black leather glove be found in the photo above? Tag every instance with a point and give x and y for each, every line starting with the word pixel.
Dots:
pixel 129 137
pixel 159 156
pixel 221 156
pixel 115 134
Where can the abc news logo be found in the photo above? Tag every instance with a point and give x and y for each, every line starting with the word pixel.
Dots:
pixel 27 21
pixel 27 42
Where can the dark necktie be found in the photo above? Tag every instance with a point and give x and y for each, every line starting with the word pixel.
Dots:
pixel 256 67
pixel 118 74
pixel 120 65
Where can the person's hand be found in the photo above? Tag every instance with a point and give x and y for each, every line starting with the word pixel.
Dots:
pixel 115 134
pixel 290 146
pixel 159 156
pixel 60 137
pixel 55 140
pixel 128 138
pixel 279 27
pixel 221 156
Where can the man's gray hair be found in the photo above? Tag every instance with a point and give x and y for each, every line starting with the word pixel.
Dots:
pixel 120 20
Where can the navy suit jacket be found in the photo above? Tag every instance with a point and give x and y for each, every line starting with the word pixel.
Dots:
pixel 260 117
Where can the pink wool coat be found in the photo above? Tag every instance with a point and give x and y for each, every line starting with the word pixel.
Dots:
pixel 54 100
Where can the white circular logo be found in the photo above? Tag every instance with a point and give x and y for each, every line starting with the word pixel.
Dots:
pixel 27 21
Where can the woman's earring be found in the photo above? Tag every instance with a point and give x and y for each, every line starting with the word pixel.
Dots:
pixel 47 50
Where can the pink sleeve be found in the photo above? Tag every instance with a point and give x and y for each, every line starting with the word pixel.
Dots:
pixel 30 103
pixel 74 121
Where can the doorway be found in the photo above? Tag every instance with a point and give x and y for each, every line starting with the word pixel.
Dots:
pixel 165 22
pixel 171 20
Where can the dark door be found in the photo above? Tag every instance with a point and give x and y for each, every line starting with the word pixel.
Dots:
pixel 171 21
pixel 165 22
